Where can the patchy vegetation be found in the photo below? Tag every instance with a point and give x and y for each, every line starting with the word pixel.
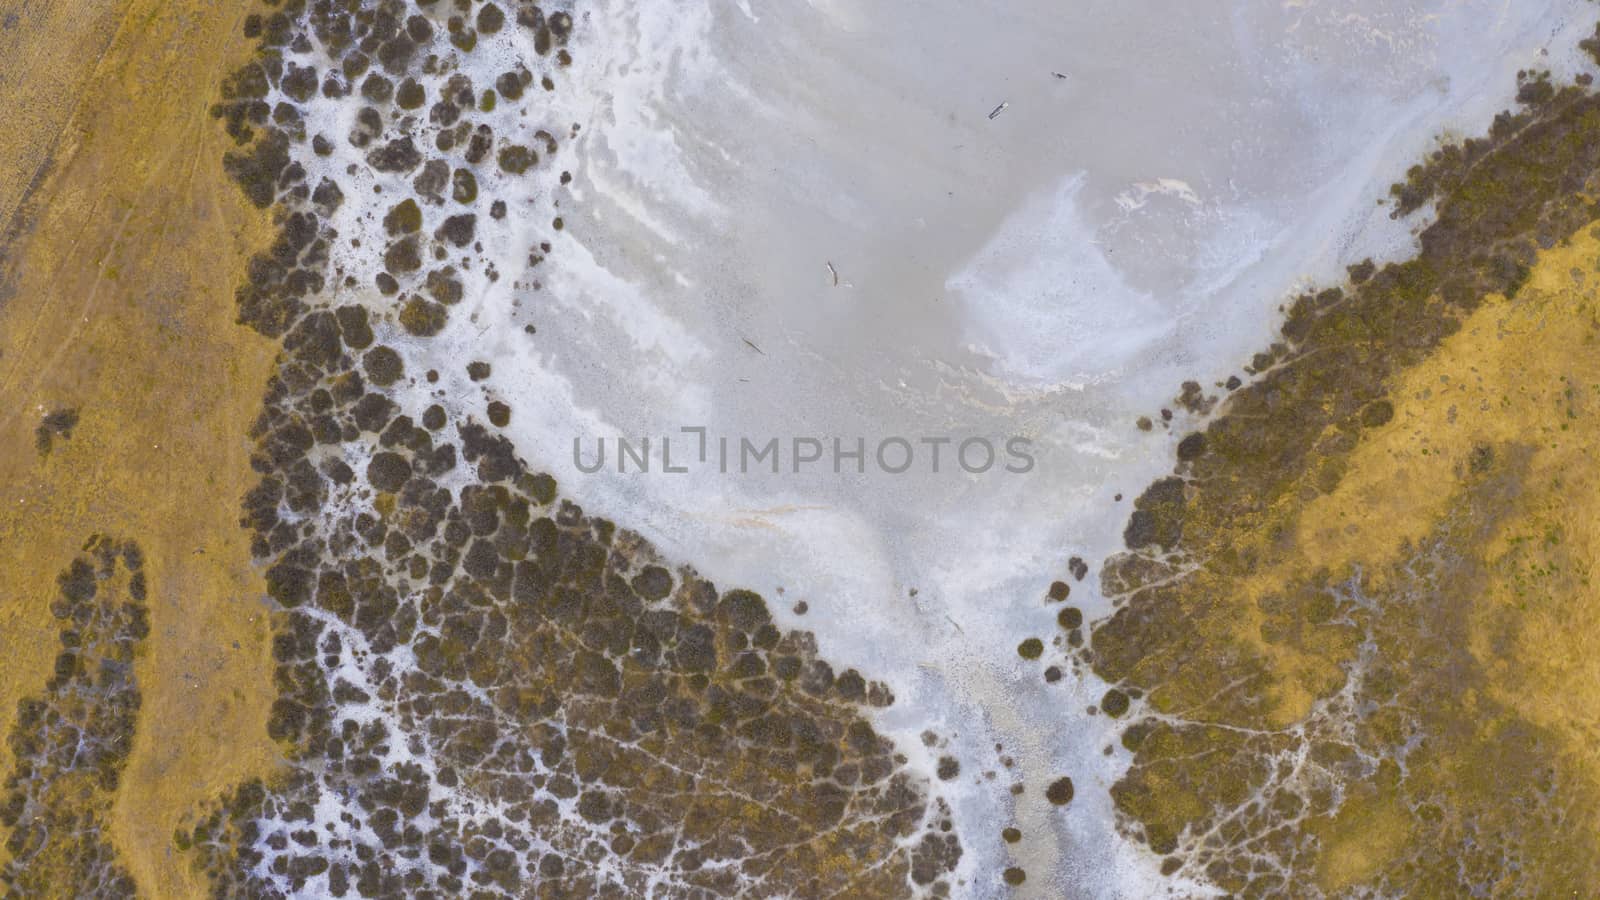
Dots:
pixel 1312 603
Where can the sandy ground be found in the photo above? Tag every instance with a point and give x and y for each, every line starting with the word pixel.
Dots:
pixel 119 304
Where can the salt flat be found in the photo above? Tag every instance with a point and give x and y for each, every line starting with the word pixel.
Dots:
pixel 839 219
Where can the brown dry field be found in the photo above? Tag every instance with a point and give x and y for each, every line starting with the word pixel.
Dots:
pixel 121 241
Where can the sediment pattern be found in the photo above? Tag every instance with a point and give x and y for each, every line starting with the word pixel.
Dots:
pixel 1323 617
pixel 70 743
pixel 484 691
pixel 1350 638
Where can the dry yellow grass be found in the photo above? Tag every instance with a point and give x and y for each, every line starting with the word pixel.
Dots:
pixel 121 307
pixel 48 51
pixel 1522 373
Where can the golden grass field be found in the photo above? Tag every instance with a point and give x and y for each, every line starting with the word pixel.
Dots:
pixel 117 288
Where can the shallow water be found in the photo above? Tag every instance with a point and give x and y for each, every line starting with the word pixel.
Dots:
pixel 840 220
